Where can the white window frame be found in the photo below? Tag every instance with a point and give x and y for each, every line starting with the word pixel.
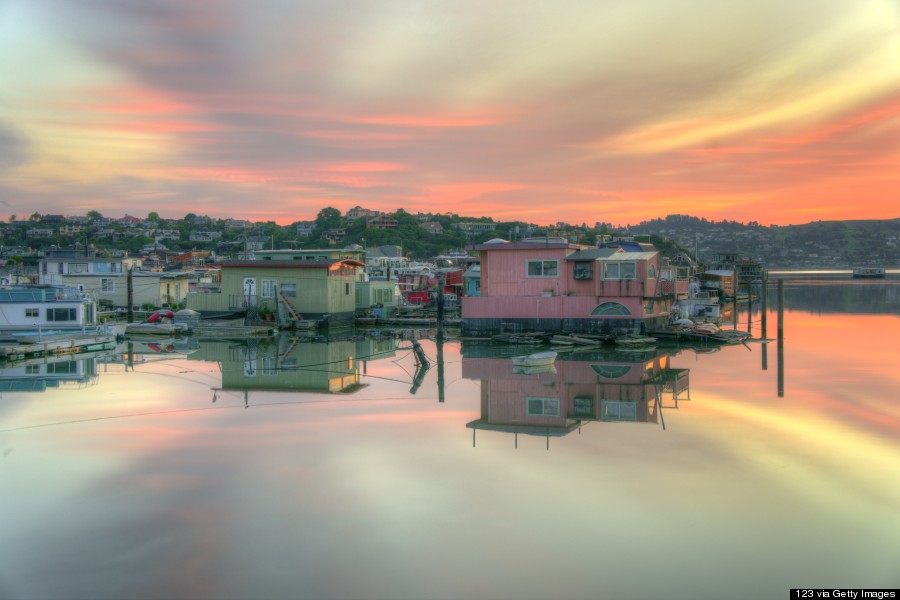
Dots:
pixel 267 288
pixel 544 265
pixel 549 406
pixel 289 290
pixel 612 271
pixel 107 285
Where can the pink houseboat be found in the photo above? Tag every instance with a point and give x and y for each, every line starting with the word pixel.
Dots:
pixel 552 285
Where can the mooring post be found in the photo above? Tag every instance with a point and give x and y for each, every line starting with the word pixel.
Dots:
pixel 763 299
pixel 749 308
pixel 780 338
pixel 734 298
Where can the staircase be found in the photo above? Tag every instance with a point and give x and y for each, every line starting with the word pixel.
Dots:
pixel 295 316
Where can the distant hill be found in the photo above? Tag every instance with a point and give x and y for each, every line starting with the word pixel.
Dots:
pixel 817 245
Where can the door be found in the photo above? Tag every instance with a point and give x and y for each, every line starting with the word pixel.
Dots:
pixel 250 291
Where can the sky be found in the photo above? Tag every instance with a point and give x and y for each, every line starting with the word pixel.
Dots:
pixel 579 111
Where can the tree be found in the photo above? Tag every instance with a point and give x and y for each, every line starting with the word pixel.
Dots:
pixel 93 215
pixel 153 216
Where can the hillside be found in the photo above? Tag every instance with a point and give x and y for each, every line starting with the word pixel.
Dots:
pixel 821 244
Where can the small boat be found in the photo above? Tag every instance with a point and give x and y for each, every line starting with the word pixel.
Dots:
pixel 538 359
pixel 638 342
pixel 156 329
pixel 534 370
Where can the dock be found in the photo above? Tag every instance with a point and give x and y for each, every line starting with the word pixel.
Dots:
pixel 73 345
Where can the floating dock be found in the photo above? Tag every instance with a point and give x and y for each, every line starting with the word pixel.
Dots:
pixel 73 345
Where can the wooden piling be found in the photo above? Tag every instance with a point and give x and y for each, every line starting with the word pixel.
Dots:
pixel 780 338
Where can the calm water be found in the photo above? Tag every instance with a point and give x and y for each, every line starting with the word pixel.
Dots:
pixel 222 470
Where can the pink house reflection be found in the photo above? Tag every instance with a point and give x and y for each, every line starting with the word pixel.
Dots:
pixel 598 386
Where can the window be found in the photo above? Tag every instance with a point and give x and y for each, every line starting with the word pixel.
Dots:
pixel 347 289
pixel 289 289
pixel 616 270
pixel 584 271
pixel 269 365
pixel 107 286
pixel 611 309
pixel 543 407
pixel 583 406
pixel 611 371
pixel 651 271
pixel 543 268
pixel 78 268
pixel 60 314
pixel 268 288
pixel 32 312
pixel 649 307
pixel 69 367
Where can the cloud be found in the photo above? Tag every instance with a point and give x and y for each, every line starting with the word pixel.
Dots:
pixel 566 110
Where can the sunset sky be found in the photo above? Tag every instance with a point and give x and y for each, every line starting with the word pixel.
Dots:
pixel 577 111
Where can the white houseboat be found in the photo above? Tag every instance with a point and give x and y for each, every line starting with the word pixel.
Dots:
pixel 40 320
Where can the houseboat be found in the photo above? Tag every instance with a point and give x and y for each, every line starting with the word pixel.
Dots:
pixel 37 320
pixel 26 308
pixel 745 268
pixel 868 273
pixel 548 284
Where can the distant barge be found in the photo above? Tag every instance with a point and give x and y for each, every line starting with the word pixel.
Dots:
pixel 868 273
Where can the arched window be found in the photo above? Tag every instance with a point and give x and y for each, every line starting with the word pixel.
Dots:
pixel 651 271
pixel 611 371
pixel 611 309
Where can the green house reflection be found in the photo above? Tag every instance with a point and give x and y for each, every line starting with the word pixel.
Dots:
pixel 291 365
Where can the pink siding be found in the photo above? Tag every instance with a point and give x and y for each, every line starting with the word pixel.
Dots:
pixel 504 396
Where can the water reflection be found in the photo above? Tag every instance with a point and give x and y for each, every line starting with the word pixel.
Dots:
pixel 586 386
pixel 39 374
pixel 289 364
pixel 851 297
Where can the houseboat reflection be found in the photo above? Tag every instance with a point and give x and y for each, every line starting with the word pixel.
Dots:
pixel 596 385
pixel 40 374
pixel 287 364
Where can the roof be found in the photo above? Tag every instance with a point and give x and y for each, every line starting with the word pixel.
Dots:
pixel 630 256
pixel 503 245
pixel 289 264
pixel 592 254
